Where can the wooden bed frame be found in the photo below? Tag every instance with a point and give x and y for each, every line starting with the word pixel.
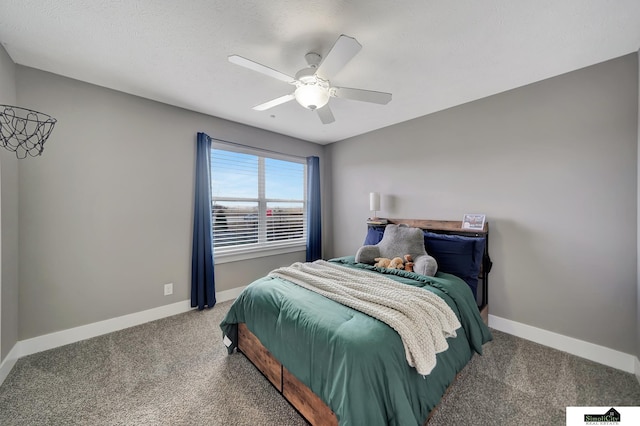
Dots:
pixel 308 404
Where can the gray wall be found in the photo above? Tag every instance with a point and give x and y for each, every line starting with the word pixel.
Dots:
pixel 552 165
pixel 638 238
pixel 8 221
pixel 106 211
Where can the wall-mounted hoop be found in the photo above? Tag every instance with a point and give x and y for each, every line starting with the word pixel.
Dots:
pixel 24 131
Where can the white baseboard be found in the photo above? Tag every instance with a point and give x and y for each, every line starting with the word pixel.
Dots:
pixel 593 352
pixel 64 337
pixel 590 351
pixel 72 335
pixel 638 369
pixel 8 363
pixel 223 296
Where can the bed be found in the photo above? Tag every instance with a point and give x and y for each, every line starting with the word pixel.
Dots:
pixel 337 365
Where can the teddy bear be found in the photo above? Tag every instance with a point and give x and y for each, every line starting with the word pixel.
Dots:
pixel 382 262
pixel 408 263
pixel 396 263
pixel 385 262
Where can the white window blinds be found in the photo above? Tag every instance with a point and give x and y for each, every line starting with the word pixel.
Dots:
pixel 258 201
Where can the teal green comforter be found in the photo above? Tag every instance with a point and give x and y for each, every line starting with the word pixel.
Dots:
pixel 353 362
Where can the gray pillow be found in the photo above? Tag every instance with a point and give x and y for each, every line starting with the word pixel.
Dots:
pixel 397 241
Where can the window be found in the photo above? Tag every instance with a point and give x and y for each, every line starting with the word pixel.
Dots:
pixel 258 201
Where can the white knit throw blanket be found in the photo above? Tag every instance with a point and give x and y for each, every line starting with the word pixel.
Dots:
pixel 422 319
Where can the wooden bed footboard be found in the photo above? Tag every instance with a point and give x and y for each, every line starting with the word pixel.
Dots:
pixel 308 404
pixel 251 347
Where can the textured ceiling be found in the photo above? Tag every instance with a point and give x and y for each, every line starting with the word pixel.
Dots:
pixel 431 55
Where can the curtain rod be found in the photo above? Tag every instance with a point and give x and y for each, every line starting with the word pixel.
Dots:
pixel 256 149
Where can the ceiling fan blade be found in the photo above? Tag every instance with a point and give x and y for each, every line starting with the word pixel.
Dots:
pixel 274 102
pixel 325 114
pixel 362 95
pixel 342 51
pixel 263 69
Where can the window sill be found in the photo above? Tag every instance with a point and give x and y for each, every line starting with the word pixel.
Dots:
pixel 259 252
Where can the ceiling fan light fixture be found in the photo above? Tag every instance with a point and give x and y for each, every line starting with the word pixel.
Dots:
pixel 312 96
pixel 313 88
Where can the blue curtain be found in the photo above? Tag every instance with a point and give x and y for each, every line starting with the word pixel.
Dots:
pixel 314 220
pixel 203 289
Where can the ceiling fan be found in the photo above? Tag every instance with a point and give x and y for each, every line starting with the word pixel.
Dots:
pixel 313 88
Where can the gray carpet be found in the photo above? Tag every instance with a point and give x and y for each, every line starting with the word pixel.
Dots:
pixel 175 371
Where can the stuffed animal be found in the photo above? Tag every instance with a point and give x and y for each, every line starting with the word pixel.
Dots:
pixel 396 263
pixel 382 262
pixel 397 241
pixel 408 263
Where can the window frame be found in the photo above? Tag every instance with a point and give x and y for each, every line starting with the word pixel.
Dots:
pixel 262 248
